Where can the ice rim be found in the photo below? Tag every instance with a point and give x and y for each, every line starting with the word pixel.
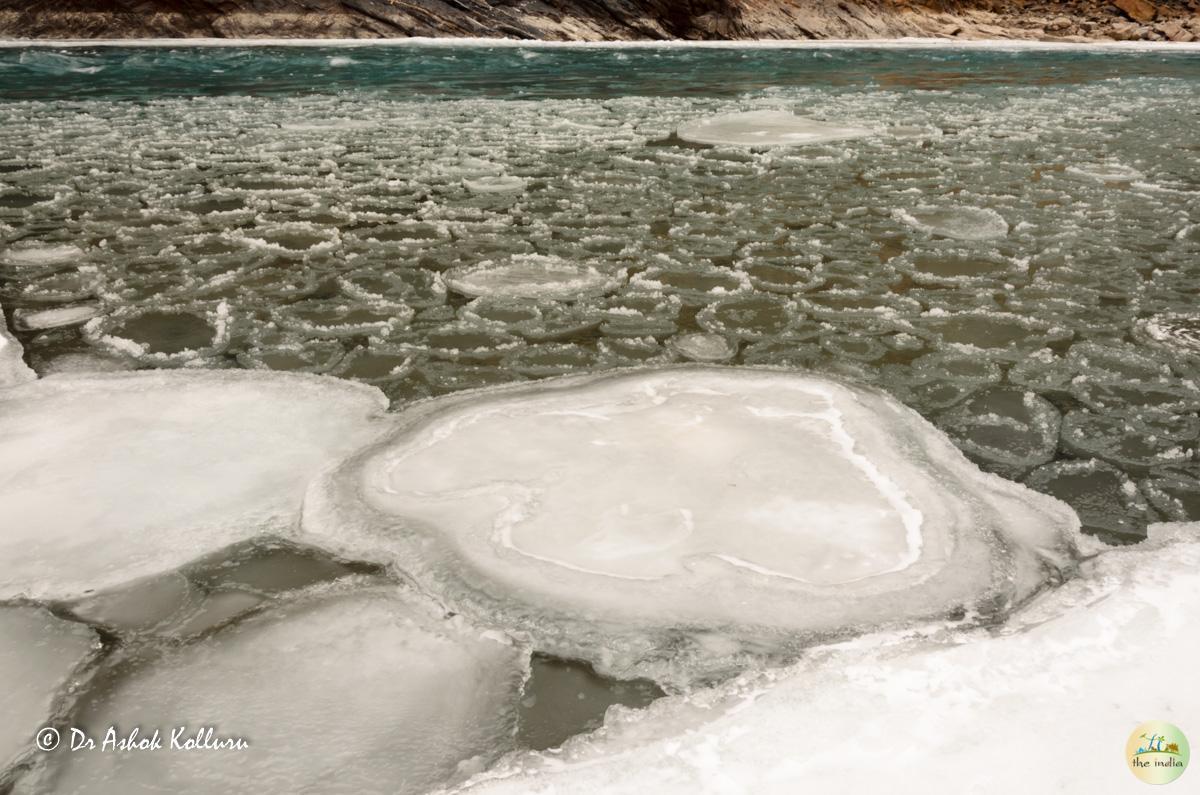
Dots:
pixel 998 545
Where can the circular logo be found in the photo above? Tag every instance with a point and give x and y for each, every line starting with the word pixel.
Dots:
pixel 47 739
pixel 1157 752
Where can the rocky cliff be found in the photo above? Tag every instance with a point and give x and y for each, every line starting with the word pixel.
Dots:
pixel 1176 20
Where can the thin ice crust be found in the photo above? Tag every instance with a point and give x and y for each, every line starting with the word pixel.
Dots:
pixel 668 522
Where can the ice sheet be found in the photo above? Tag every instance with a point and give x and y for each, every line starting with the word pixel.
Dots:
pixel 591 511
pixel 106 478
pixel 346 689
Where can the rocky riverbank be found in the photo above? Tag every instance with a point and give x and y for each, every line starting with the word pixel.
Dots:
pixel 593 20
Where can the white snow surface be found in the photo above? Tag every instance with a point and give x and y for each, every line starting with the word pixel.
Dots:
pixel 1055 693
pixel 345 689
pixel 38 654
pixel 108 477
pixel 765 128
pixel 591 512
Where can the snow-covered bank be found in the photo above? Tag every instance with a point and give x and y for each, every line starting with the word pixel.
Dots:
pixel 1043 703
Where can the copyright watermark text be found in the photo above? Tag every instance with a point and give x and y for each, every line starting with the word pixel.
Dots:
pixel 178 738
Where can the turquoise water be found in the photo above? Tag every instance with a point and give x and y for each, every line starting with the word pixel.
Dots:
pixel 315 208
pixel 507 72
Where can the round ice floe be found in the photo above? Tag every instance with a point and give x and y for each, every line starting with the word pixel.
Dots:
pixel 840 306
pixel 1109 504
pixel 1105 172
pixel 632 351
pixel 292 239
pixel 960 223
pixel 163 337
pixel 58 317
pixel 1009 431
pixel 516 316
pixel 464 341
pixel 591 511
pixel 334 318
pixel 638 314
pixel 1134 441
pixel 551 358
pixel 952 267
pixel 752 317
pixel 313 356
pixel 38 654
pixel 377 363
pixel 695 286
pixel 533 276
pixel 62 287
pixel 703 347
pixel 782 353
pixel 852 346
pixel 415 287
pixel 339 690
pixel 1176 494
pixel 999 333
pixel 765 128
pixel 105 478
pixel 41 254
pixel 777 278
pixel 490 185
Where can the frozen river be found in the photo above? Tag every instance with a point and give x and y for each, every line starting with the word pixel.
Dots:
pixel 1007 242
pixel 1012 250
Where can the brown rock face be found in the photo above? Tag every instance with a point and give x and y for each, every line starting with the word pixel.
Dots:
pixel 592 20
pixel 1137 10
pixel 1175 31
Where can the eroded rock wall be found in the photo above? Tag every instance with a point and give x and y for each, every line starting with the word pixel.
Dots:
pixel 1177 20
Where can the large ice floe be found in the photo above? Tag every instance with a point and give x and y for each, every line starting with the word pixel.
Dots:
pixel 368 690
pixel 106 478
pixel 765 128
pixel 1055 692
pixel 592 511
